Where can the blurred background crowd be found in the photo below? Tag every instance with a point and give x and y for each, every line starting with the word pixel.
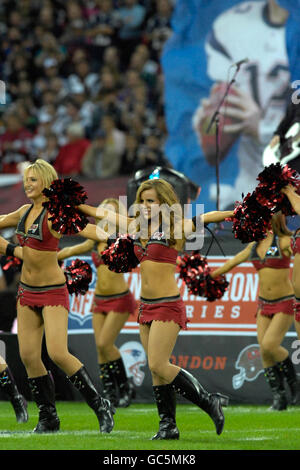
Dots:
pixel 84 85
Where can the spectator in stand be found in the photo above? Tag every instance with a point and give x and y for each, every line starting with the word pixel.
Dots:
pixel 50 48
pixel 92 160
pixel 109 83
pixel 12 43
pixel 151 154
pixel 158 27
pixel 74 33
pixel 141 62
pixel 50 150
pixel 126 94
pixel 14 143
pixel 15 20
pixel 18 68
pixel 86 107
pixel 130 155
pixel 102 28
pixel 69 112
pixel 59 87
pixel 27 113
pixel 85 77
pixel 131 17
pixel 111 59
pixel 48 97
pixel 46 118
pixel 48 20
pixel 69 158
pixel 106 159
pixel 107 98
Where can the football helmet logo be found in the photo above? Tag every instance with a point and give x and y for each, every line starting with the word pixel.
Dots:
pixel 250 365
pixel 134 358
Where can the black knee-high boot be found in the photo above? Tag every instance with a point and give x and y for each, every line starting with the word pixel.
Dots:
pixel 125 387
pixel 274 378
pixel 188 386
pixel 165 398
pixel 288 370
pixel 9 386
pixel 108 383
pixel 43 393
pixel 101 406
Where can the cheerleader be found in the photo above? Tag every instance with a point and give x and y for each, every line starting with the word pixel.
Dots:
pixel 162 312
pixel 271 258
pixel 112 305
pixel 43 303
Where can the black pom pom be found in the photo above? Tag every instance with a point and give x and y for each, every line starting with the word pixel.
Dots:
pixel 252 216
pixel 119 256
pixel 195 272
pixel 78 276
pixel 63 197
pixel 215 288
pixel 271 180
pixel 251 220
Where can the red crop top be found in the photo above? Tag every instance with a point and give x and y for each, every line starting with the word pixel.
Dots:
pixel 38 236
pixel 274 258
pixel 295 242
pixel 156 249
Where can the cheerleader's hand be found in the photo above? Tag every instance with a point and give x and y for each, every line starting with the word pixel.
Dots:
pixel 288 189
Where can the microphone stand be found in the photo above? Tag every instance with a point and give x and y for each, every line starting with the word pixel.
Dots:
pixel 216 119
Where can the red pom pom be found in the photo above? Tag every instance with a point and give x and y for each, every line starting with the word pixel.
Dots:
pixel 193 270
pixel 119 256
pixel 215 288
pixel 63 197
pixel 251 220
pixel 12 261
pixel 78 276
pixel 252 216
pixel 271 180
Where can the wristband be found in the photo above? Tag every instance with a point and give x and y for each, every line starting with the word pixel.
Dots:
pixel 10 249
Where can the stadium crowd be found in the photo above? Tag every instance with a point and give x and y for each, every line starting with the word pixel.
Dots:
pixel 83 84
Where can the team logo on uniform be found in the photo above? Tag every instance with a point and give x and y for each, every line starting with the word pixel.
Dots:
pixel 158 236
pixel 249 364
pixel 134 358
pixel 33 228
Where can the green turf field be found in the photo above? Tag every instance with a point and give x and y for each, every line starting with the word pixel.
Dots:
pixel 246 428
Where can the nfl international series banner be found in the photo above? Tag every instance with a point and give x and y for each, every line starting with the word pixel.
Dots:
pixel 213 43
pixel 234 314
pixel 219 347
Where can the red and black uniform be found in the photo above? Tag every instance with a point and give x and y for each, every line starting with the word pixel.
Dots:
pixel 40 238
pixel 165 308
pixel 123 302
pixel 273 259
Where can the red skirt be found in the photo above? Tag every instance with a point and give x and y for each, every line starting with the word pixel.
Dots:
pixel 163 309
pixel 271 307
pixel 119 303
pixel 38 297
pixel 297 309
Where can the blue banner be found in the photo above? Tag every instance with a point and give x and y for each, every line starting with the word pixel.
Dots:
pixel 203 55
